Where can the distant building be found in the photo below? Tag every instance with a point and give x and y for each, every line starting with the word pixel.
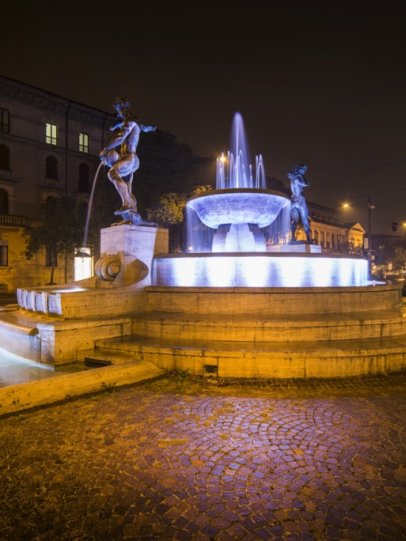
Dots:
pixel 332 234
pixel 49 147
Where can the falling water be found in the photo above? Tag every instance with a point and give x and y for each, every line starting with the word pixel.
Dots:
pixel 199 237
pixel 235 170
pixel 278 232
pixel 89 207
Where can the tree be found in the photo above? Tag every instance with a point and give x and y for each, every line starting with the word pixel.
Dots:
pixel 59 229
pixel 170 212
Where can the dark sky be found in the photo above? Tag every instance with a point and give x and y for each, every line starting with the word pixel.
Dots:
pixel 324 86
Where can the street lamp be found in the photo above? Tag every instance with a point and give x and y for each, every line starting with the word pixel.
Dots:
pixel 371 207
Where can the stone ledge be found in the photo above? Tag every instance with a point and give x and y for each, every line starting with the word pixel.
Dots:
pixel 33 394
pixel 269 359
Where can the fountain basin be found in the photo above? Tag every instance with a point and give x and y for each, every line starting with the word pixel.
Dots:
pixel 238 206
pixel 259 270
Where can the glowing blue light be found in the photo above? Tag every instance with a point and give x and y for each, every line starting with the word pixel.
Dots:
pixel 259 270
pixel 220 271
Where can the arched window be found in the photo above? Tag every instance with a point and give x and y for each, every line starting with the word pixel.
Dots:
pixel 3 202
pixel 4 158
pixel 316 236
pixel 83 185
pixel 51 168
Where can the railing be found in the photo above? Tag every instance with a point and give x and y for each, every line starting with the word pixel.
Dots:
pixel 14 221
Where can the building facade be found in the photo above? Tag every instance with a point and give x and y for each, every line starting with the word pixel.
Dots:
pixel 333 235
pixel 49 148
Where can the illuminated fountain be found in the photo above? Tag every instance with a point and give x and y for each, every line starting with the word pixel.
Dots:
pixel 226 236
pixel 232 306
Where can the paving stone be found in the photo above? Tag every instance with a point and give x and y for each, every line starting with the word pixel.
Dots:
pixel 187 459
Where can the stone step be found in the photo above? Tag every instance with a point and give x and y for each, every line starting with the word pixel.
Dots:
pixel 240 328
pixel 274 301
pixel 42 392
pixel 268 359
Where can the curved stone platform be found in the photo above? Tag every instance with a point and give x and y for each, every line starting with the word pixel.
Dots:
pixel 275 301
pixel 269 333
pixel 242 328
pixel 267 359
pixel 233 332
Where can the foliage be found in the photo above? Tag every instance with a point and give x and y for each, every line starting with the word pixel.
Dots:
pixel 200 189
pixel 169 209
pixel 59 228
pixel 171 206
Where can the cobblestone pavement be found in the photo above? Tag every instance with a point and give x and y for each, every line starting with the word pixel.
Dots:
pixel 181 458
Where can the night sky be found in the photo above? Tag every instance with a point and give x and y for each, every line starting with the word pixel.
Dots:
pixel 324 86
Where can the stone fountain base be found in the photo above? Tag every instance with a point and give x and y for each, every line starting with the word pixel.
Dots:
pixel 247 332
pixel 269 332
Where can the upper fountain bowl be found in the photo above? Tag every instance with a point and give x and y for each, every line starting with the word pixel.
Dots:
pixel 238 206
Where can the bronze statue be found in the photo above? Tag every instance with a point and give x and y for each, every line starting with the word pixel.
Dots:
pixel 298 209
pixel 124 163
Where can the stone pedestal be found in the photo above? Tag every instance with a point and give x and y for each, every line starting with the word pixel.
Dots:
pixel 136 246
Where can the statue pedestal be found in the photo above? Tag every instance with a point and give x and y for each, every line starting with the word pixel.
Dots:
pixel 134 246
pixel 95 308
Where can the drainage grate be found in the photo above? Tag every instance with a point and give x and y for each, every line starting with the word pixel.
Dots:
pixel 96 363
pixel 210 369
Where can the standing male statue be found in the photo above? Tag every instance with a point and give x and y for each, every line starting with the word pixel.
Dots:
pixel 124 163
pixel 298 209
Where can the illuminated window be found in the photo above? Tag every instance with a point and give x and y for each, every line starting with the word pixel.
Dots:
pixel 3 253
pixel 51 168
pixel 83 142
pixel 4 158
pixel 4 120
pixel 3 202
pixel 51 134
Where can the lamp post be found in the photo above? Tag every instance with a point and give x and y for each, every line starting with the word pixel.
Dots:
pixel 371 207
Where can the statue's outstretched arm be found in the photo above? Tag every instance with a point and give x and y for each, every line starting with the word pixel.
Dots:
pixel 147 129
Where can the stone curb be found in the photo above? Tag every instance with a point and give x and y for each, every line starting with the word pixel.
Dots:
pixel 23 396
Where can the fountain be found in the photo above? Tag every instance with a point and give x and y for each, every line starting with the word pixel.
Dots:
pixel 235 218
pixel 232 306
pixel 240 207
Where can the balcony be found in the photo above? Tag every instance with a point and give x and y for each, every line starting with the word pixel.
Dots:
pixel 9 220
